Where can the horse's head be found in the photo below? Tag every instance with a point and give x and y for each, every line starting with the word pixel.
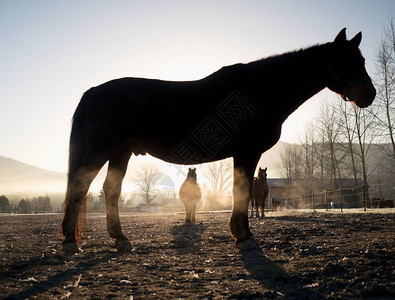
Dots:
pixel 262 173
pixel 192 174
pixel 347 75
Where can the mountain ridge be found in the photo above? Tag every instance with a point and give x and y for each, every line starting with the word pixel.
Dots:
pixel 17 177
pixel 10 167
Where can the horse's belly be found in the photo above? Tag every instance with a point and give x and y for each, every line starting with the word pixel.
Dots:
pixel 186 151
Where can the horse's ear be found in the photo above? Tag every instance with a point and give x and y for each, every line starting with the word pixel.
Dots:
pixel 194 169
pixel 265 169
pixel 341 36
pixel 260 169
pixel 356 40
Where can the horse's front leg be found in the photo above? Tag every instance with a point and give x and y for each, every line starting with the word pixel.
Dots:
pixel 187 212
pixel 112 189
pixel 242 181
pixel 252 207
pixel 193 213
pixel 257 205
pixel 263 208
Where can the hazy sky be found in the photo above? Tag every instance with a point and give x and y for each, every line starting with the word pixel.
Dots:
pixel 53 51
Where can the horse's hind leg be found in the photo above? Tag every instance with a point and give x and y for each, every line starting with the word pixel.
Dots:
pixel 78 187
pixel 112 188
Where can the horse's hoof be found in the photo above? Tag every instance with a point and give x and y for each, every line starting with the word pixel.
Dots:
pixel 123 246
pixel 70 248
pixel 248 244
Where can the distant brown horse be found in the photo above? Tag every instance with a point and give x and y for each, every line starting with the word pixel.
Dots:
pixel 260 190
pixel 382 203
pixel 190 194
pixel 276 202
pixel 191 122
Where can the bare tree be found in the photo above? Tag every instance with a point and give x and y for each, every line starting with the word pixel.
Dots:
pixel 220 176
pixel 348 132
pixel 291 166
pixel 384 105
pixel 365 137
pixel 90 201
pixel 307 142
pixel 146 180
pixel 329 126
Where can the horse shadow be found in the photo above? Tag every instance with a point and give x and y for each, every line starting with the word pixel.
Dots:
pixel 269 274
pixel 274 278
pixel 187 237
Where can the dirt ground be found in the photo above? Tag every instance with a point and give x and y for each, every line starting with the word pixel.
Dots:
pixel 303 255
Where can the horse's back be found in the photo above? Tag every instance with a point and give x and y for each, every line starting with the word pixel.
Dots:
pixel 164 117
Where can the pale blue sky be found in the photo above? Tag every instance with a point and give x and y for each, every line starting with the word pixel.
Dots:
pixel 52 51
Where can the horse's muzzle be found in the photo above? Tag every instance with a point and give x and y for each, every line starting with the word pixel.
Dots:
pixel 362 94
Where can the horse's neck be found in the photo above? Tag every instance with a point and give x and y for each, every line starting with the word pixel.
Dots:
pixel 297 75
pixel 262 180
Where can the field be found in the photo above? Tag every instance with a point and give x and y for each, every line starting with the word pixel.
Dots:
pixel 303 255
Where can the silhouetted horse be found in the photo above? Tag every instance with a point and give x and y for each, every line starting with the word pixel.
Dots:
pixel 259 193
pixel 190 194
pixel 201 121
pixel 376 202
pixel 382 203
pixel 276 202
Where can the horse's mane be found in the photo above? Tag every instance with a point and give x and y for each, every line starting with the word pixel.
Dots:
pixel 273 60
pixel 304 51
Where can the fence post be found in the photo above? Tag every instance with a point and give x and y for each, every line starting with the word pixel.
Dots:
pixel 364 197
pixel 312 201
pixel 341 200
pixel 326 199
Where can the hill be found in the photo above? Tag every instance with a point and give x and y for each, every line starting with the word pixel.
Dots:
pixel 11 168
pixel 19 178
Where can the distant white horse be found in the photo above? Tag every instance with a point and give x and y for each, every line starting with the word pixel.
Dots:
pixel 190 194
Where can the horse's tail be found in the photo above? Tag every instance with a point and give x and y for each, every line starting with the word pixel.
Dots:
pixel 77 136
pixel 76 156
